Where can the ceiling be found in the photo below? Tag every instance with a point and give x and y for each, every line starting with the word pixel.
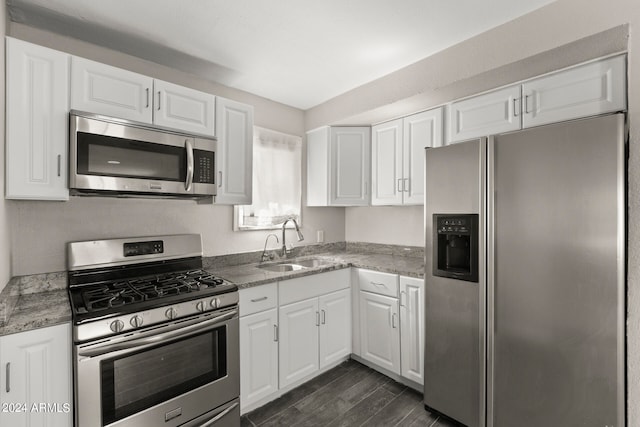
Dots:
pixel 297 52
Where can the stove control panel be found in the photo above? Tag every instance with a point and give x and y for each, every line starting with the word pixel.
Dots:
pixel 142 319
pixel 143 248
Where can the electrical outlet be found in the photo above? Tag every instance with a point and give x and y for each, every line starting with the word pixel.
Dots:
pixel 320 236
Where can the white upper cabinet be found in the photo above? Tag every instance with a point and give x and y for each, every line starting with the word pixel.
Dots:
pixel 397 157
pixel 37 121
pixel 183 108
pixel 587 90
pixel 487 114
pixel 338 166
pixel 103 89
pixel 234 154
pixel 386 163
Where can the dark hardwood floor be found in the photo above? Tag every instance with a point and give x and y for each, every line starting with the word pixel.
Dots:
pixel 349 395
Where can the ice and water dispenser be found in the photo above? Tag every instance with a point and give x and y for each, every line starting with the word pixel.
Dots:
pixel 455 252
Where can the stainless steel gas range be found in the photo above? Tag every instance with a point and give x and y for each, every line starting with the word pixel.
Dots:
pixel 156 339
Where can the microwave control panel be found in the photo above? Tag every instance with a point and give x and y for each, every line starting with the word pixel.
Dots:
pixel 203 167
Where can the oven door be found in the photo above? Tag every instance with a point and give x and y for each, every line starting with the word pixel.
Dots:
pixel 162 376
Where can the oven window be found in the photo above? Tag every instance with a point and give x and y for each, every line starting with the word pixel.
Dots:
pixel 137 381
pixel 108 156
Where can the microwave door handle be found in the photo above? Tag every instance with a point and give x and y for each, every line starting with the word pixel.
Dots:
pixel 189 147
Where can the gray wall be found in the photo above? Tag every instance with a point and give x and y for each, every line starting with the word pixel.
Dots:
pixel 558 35
pixel 40 230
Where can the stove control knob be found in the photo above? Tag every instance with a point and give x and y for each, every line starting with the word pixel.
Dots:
pixel 136 321
pixel 117 326
pixel 215 303
pixel 171 313
pixel 201 307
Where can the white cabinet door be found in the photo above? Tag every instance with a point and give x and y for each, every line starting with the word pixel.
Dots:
pixel 183 108
pixel 298 351
pixel 258 356
pixel 587 90
pixel 318 167
pixel 487 114
pixel 420 131
pixel 234 154
pixel 36 370
pixel 37 111
pixel 386 163
pixel 379 330
pixel 412 328
pixel 103 89
pixel 335 326
pixel 350 166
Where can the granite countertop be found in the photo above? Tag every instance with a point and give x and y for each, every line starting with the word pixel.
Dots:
pixel 41 300
pixel 249 275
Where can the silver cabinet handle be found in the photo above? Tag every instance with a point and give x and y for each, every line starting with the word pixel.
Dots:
pixel 526 104
pixel 158 100
pixel 393 320
pixel 366 188
pixel 401 294
pixel 400 189
pixel 317 318
pixel 220 179
pixel 59 163
pixel 217 418
pixel 515 107
pixel 407 187
pixel 324 316
pixel 275 333
pixel 8 377
pixel 259 299
pixel 147 91
pixel 378 284
pixel 189 147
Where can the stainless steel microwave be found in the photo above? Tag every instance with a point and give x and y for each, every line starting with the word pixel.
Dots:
pixel 116 157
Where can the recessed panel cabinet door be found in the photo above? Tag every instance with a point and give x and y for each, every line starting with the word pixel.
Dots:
pixel 37 111
pixel 350 166
pixel 298 324
pixel 588 90
pixel 234 153
pixel 335 326
pixel 258 356
pixel 183 108
pixel 103 89
pixel 412 328
pixel 486 114
pixel 386 163
pixel 35 371
pixel 379 330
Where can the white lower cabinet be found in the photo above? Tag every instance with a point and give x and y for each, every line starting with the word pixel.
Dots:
pixel 258 356
pixel 380 331
pixel 36 378
pixel 258 344
pixel 299 342
pixel 335 329
pixel 412 328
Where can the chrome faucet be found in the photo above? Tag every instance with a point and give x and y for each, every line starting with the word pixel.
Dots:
pixel 300 236
pixel 264 256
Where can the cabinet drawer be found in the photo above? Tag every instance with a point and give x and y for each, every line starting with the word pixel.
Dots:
pixel 378 283
pixel 258 298
pixel 302 288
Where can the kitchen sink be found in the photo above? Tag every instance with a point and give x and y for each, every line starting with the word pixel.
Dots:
pixel 294 265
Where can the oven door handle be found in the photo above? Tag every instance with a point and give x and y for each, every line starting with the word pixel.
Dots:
pixel 189 147
pixel 176 332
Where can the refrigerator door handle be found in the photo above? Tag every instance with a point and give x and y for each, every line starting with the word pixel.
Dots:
pixel 491 279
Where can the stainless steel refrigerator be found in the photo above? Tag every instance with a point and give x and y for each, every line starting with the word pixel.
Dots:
pixel 525 277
